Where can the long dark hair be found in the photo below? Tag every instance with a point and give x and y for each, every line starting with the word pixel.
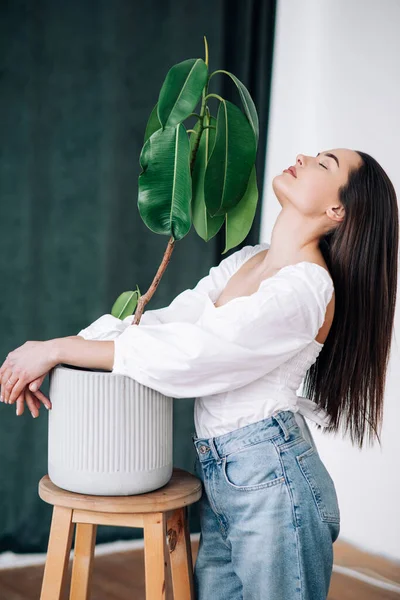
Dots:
pixel 348 378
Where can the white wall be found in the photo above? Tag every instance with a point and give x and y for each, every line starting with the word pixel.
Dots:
pixel 336 83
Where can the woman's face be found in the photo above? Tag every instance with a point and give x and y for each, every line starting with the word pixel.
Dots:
pixel 316 187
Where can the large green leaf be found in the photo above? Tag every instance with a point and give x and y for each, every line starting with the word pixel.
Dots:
pixel 181 91
pixel 152 124
pixel 165 189
pixel 240 218
pixel 205 225
pixel 232 158
pixel 247 101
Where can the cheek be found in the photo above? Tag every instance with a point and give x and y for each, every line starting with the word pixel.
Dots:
pixel 309 195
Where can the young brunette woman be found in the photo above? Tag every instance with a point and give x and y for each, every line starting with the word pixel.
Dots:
pixel 317 303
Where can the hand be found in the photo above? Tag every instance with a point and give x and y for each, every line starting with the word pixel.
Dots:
pixel 22 366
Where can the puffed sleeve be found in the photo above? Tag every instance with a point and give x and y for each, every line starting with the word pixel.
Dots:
pixel 186 307
pixel 232 345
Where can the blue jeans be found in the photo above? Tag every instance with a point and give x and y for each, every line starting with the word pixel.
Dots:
pixel 269 514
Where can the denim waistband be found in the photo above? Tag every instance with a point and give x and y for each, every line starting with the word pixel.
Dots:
pixel 277 425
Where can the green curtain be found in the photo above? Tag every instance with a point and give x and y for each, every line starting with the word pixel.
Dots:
pixel 78 80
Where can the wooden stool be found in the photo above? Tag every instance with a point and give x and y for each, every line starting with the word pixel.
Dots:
pixel 162 514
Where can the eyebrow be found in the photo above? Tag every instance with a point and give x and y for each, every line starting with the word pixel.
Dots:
pixel 331 156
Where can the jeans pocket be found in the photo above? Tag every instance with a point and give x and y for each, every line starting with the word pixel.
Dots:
pixel 321 485
pixel 254 467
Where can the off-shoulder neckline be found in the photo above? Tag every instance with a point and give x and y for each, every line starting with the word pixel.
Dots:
pixel 260 247
pixel 266 245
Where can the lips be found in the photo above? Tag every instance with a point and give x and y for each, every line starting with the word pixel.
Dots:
pixel 291 170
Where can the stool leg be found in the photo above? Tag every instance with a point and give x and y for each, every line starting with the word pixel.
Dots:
pixel 59 547
pixel 180 554
pixel 82 566
pixel 154 527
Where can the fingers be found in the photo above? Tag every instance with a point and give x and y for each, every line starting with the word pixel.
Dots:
pixel 20 405
pixel 33 401
pixel 36 383
pixel 31 404
pixel 43 399
pixel 4 392
pixel 11 388
pixel 15 389
pixel 34 387
pixel 11 391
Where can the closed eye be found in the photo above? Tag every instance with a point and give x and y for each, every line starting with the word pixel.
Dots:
pixel 323 166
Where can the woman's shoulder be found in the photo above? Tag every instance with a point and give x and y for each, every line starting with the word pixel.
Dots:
pixel 307 280
pixel 314 273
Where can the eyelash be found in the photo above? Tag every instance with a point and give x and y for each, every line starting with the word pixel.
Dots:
pixel 323 166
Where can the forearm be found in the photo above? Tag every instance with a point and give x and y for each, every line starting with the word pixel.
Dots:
pixel 76 351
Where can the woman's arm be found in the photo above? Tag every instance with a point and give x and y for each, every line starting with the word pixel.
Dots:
pixel 76 351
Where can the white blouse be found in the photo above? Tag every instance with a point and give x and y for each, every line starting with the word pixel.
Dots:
pixel 242 361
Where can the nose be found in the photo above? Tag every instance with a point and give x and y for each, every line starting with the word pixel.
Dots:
pixel 300 160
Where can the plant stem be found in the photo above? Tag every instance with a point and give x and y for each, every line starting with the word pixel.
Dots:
pixel 145 298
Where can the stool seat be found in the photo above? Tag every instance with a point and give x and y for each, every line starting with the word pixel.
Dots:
pixel 161 513
pixel 182 489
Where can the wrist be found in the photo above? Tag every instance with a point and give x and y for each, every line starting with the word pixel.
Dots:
pixel 55 350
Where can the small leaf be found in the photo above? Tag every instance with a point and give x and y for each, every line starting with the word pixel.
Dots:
pixel 125 305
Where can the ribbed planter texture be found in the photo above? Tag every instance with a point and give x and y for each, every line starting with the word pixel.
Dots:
pixel 108 434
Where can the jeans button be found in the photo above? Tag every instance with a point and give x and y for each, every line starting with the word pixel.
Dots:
pixel 203 449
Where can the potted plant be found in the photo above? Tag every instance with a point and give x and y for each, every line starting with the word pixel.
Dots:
pixel 108 434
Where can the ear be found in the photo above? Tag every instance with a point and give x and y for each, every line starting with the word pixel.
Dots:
pixel 336 213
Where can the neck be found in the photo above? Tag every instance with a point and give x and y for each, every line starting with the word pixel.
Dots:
pixel 294 238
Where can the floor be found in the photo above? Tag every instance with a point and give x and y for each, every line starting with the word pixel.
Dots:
pixel 120 576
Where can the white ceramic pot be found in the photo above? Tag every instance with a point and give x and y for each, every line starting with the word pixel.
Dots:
pixel 108 434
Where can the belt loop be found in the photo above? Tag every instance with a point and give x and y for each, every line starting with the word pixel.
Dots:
pixel 282 425
pixel 214 451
